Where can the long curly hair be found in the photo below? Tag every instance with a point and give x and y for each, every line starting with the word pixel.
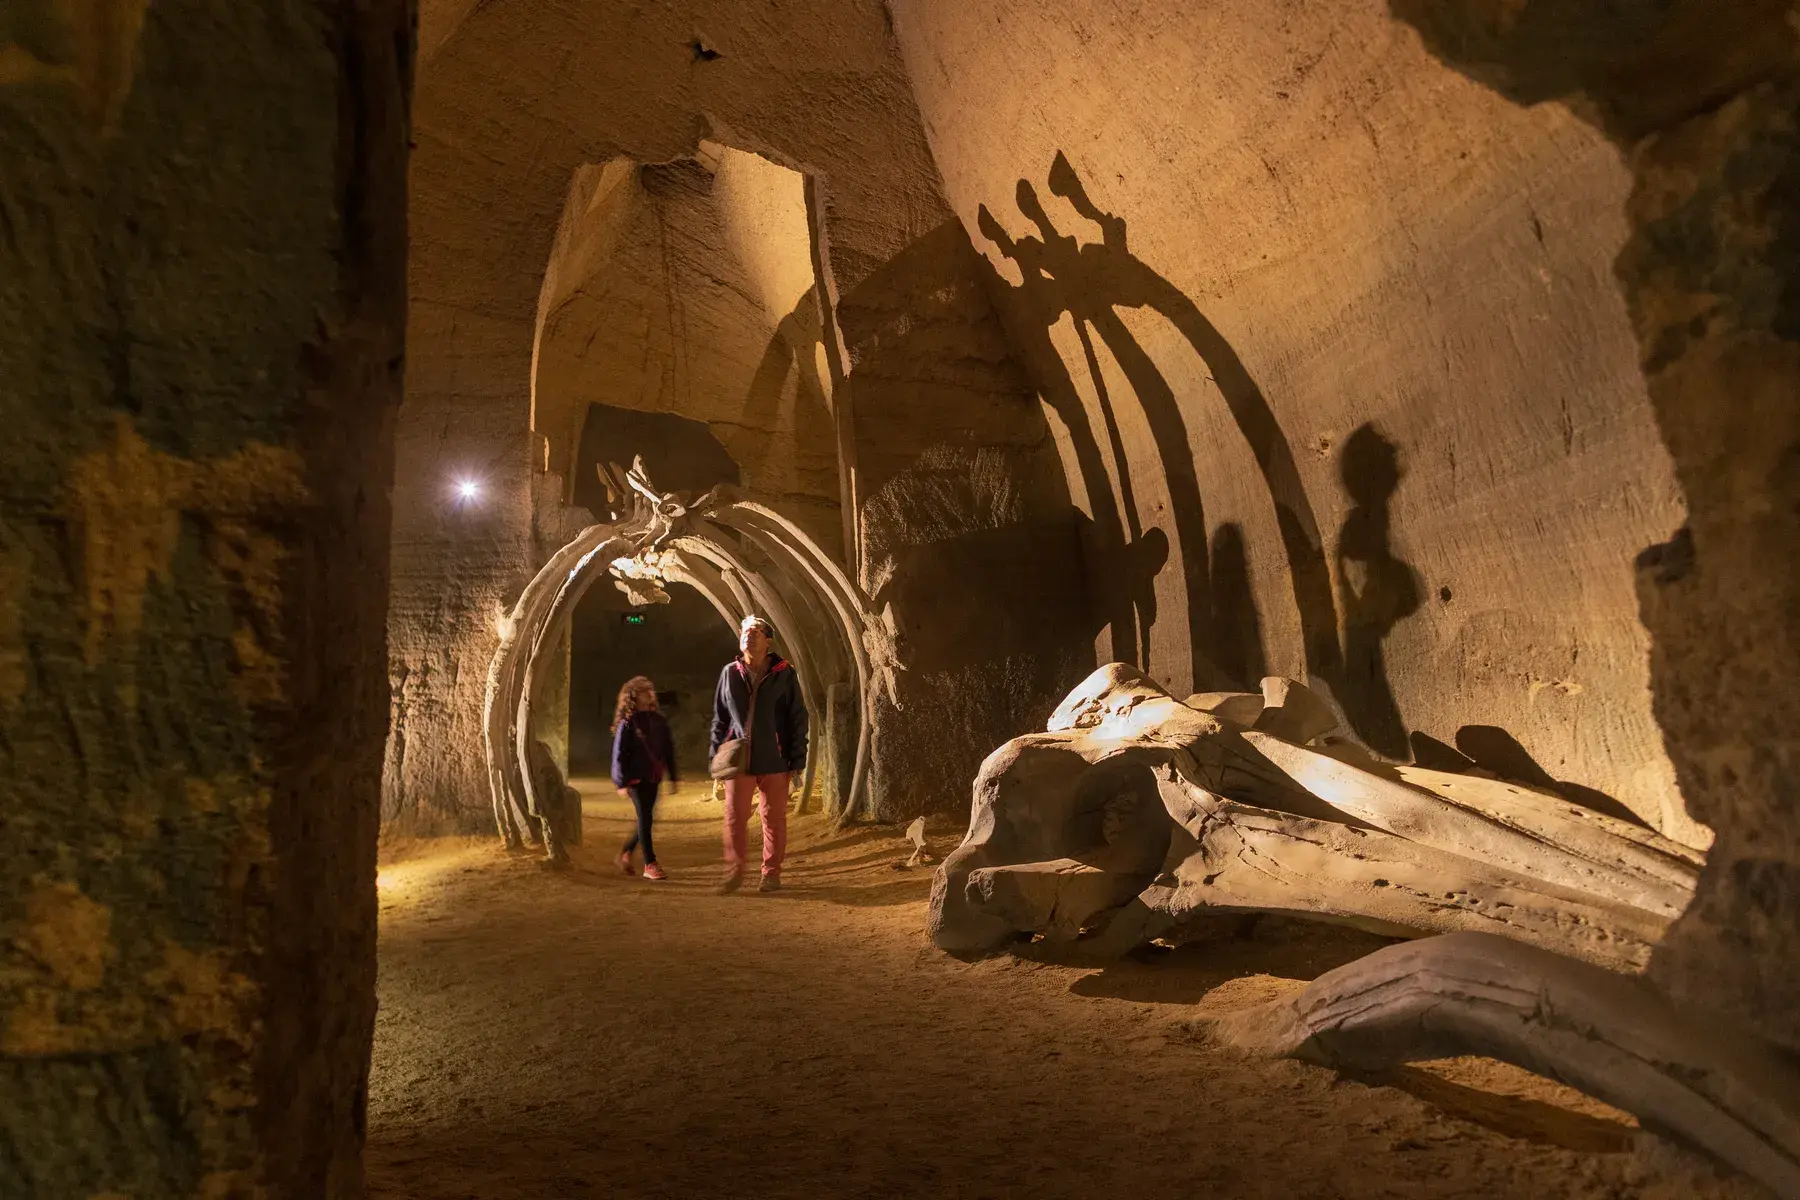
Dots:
pixel 627 698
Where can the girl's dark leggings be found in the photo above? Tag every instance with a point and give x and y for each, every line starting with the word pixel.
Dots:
pixel 643 798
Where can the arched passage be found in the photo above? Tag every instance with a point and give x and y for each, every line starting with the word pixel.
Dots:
pixel 679 645
pixel 900 331
pixel 742 557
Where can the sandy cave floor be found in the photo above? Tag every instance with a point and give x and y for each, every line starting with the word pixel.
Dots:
pixel 547 1035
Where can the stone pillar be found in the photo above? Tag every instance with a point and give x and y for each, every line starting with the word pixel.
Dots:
pixel 965 526
pixel 202 305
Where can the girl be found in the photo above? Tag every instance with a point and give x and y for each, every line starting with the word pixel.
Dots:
pixel 643 756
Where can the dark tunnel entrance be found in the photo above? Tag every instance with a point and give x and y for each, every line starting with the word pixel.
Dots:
pixel 680 645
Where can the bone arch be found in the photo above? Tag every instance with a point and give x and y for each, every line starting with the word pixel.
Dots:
pixel 708 545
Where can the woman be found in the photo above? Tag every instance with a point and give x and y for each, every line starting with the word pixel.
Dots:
pixel 758 702
pixel 643 756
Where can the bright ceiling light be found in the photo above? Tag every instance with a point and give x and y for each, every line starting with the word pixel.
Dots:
pixel 467 489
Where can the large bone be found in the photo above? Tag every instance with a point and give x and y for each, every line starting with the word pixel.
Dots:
pixel 1247 859
pixel 1052 842
pixel 1255 823
pixel 1264 825
pixel 1611 1037
pixel 1589 858
pixel 1058 898
pixel 1554 819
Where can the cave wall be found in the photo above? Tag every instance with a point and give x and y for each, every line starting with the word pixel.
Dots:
pixel 504 129
pixel 1706 112
pixel 201 307
pixel 701 306
pixel 1329 340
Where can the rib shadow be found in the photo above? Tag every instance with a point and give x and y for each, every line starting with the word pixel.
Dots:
pixel 1494 751
pixel 1124 396
pixel 1060 276
pixel 1513 1116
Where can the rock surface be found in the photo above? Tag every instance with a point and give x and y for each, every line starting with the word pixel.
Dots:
pixel 1706 113
pixel 1341 378
pixel 202 304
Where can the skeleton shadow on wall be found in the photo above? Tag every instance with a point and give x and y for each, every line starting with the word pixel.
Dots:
pixel 1090 283
pixel 1491 750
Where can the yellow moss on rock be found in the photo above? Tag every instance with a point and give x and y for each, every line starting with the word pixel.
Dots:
pixel 34 1029
pixel 68 935
pixel 189 992
pixel 68 987
pixel 126 502
pixel 202 993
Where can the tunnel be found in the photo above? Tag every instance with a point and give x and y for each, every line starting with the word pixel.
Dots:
pixel 1275 523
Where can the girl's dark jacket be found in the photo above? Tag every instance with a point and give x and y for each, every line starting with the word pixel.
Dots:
pixel 778 743
pixel 642 745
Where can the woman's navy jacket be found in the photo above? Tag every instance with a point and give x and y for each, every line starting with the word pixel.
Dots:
pixel 778 743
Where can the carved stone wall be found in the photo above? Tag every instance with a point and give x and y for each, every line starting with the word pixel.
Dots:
pixel 1706 112
pixel 202 239
pixel 1333 354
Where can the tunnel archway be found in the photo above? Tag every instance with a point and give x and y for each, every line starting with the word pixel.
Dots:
pixel 679 645
pixel 742 557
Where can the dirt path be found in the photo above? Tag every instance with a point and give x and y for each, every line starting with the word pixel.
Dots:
pixel 547 1035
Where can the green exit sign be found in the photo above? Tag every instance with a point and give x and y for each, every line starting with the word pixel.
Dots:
pixel 634 618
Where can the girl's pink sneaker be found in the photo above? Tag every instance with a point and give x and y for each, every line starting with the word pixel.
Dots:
pixel 652 871
pixel 625 863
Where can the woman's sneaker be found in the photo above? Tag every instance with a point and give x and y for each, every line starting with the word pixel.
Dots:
pixel 652 871
pixel 732 882
pixel 770 883
pixel 625 863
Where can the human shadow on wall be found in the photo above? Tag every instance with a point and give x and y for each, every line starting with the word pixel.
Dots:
pixel 1090 283
pixel 1377 589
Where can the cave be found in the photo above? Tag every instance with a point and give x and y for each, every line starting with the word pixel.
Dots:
pixel 1278 522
